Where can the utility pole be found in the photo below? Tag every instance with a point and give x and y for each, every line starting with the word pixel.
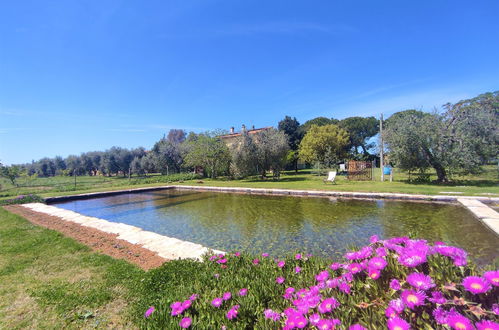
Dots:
pixel 381 165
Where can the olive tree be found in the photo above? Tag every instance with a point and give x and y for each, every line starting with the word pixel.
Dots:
pixel 324 144
pixel 209 152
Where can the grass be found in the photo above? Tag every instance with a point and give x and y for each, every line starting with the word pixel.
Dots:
pixel 484 184
pixel 50 281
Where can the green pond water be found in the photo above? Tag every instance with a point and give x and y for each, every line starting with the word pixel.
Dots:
pixel 280 225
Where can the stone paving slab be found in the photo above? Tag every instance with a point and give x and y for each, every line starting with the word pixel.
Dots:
pixel 164 246
pixel 487 215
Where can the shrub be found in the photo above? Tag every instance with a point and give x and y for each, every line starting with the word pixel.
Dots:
pixel 166 178
pixel 22 199
pixel 399 282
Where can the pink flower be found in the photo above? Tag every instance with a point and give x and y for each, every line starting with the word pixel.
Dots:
pixel 222 261
pixel 265 255
pixel 243 292
pixel 345 287
pixel 193 297
pixel 356 327
pixel 327 305
pixel 374 273
pixel 298 256
pixel 335 266
pixel 297 269
pixel 237 254
pixel 381 252
pixel 475 284
pixel 377 263
pixel 226 296
pixel 413 298
pixel 149 311
pixel 232 313
pixel 373 239
pixel 270 314
pixel 437 297
pixel 487 325
pixel 325 324
pixel 256 261
pixel 280 280
pixel 322 276
pixel 186 304
pixel 459 322
pixel 397 305
pixel 217 302
pixel 314 319
pixel 354 268
pixel 216 275
pixel 281 264
pixel 397 323
pixel 492 276
pixel 420 281
pixel 395 284
pixel 185 322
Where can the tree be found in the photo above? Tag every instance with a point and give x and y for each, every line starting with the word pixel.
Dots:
pixel 272 146
pixel 324 144
pixel 463 137
pixel 291 127
pixel 136 166
pixel 243 154
pixel 176 136
pixel 10 172
pixel 210 153
pixel 319 121
pixel 147 163
pixel 168 156
pixel 360 130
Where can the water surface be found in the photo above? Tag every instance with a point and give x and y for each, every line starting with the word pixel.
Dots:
pixel 279 224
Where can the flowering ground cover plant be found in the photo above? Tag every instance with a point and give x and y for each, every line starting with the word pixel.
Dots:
pixel 22 199
pixel 399 283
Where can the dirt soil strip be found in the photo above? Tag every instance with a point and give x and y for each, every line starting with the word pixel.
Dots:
pixel 97 240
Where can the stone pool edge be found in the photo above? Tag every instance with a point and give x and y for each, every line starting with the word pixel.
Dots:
pixel 166 247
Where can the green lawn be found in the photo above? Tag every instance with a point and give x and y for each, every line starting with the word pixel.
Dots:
pixel 49 281
pixel 484 184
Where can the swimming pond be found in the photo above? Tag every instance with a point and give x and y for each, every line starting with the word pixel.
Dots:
pixel 279 225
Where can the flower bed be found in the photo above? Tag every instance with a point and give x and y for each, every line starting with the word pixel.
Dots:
pixel 399 283
pixel 23 199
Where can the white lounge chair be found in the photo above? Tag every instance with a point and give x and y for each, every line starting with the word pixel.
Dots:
pixel 330 178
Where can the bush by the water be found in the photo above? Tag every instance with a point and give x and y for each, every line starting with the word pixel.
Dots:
pixel 166 178
pixel 399 283
pixel 23 199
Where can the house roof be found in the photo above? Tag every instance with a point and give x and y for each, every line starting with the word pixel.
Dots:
pixel 250 131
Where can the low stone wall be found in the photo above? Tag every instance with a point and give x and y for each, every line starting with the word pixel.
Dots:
pixel 482 212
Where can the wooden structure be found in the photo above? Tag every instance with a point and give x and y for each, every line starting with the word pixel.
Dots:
pixel 359 170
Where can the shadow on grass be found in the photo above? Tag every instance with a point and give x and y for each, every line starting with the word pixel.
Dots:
pixel 270 179
pixel 456 183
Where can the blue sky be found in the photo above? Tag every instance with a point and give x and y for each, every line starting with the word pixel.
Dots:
pixel 79 76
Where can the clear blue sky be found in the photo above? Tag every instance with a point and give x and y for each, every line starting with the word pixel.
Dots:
pixel 79 76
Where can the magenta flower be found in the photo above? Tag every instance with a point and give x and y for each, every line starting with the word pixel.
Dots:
pixel 440 315
pixel 193 297
pixel 256 261
pixel 281 264
pixel 420 281
pixel 186 304
pixel 297 269
pixel 345 287
pixel 243 292
pixel 149 311
pixel 296 321
pixel 354 267
pixel 492 276
pixel 217 302
pixel 373 239
pixel 487 325
pixel 377 263
pixel 327 305
pixel 475 284
pixel 237 254
pixel 325 324
pixel 437 297
pixel 212 258
pixel 265 255
pixel 495 309
pixel 185 322
pixel 322 276
pixel 374 273
pixel 335 266
pixel 397 323
pixel 381 252
pixel 395 284
pixel 280 280
pixel 226 296
pixel 397 305
pixel 298 256
pixel 356 327
pixel 459 322
pixel 177 308
pixel 314 319
pixel 222 261
pixel 412 257
pixel 270 314
pixel 390 312
pixel 232 313
pixel 289 290
pixel 413 298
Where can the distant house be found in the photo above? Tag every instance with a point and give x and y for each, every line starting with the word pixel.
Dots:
pixel 231 138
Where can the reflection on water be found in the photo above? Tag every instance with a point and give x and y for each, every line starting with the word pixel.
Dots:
pixel 278 224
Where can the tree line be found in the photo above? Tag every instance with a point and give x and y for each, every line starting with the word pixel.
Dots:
pixel 462 137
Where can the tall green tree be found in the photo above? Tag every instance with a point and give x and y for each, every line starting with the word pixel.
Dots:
pixel 10 172
pixel 210 153
pixel 324 144
pixel 463 137
pixel 360 130
pixel 291 127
